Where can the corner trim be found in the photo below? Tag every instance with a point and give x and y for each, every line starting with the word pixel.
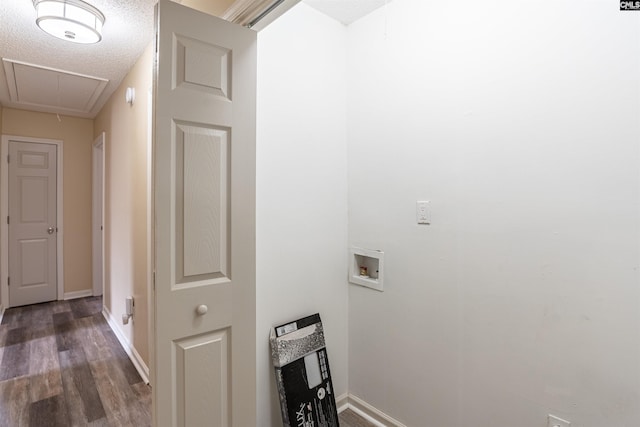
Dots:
pixel 77 294
pixel 133 354
pixel 366 411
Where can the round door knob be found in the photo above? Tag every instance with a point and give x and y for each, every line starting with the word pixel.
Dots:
pixel 50 230
pixel 202 309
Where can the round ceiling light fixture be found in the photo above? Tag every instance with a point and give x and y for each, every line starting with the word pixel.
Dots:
pixel 71 20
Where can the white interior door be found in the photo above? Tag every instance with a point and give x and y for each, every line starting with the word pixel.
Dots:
pixel 204 205
pixel 97 214
pixel 32 223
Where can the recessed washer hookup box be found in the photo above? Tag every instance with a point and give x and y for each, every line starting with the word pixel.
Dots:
pixel 303 377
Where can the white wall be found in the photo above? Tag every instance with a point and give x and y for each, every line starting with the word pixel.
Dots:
pixel 301 189
pixel 520 122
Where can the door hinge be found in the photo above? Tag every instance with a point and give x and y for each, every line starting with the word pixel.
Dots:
pixel 8 281
pixel 154 280
pixel 7 219
pixel 8 158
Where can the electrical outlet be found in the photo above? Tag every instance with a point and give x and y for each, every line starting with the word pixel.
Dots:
pixel 553 421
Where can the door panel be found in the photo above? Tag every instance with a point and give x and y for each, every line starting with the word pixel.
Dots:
pixel 32 225
pixel 211 407
pixel 204 205
pixel 32 197
pixel 32 259
pixel 202 155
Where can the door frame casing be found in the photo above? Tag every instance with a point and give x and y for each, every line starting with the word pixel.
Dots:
pixel 97 212
pixel 4 212
pixel 151 256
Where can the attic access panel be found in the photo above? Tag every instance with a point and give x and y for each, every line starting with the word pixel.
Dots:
pixel 33 85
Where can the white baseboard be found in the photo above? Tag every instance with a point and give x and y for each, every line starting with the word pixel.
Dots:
pixel 366 411
pixel 77 294
pixel 137 361
pixel 342 402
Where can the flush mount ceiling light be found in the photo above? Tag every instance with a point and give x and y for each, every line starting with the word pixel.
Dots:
pixel 72 20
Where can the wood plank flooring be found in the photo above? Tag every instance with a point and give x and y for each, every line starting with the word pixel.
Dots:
pixel 61 365
pixel 349 418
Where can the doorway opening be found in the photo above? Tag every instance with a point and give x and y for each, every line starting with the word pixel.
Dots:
pixel 97 212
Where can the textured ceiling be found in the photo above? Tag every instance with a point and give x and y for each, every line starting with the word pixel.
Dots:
pixel 346 11
pixel 128 29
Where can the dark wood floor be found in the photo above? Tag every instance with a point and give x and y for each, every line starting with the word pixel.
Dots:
pixel 61 365
pixel 349 418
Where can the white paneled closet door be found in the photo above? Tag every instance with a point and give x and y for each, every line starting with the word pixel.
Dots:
pixel 204 203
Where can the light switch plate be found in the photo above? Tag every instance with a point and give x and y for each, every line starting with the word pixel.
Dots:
pixel 423 212
pixel 553 421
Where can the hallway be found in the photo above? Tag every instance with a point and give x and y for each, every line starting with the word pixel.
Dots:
pixel 61 365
